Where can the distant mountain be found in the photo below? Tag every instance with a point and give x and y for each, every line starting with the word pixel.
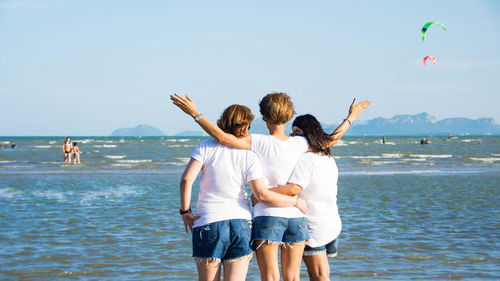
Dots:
pixel 140 130
pixel 422 124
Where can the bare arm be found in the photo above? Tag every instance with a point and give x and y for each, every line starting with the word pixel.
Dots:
pixel 192 170
pixel 354 111
pixel 290 189
pixel 187 105
pixel 269 197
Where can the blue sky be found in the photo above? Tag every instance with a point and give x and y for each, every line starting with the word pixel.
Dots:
pixel 88 67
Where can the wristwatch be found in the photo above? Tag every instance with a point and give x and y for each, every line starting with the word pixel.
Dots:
pixel 198 117
pixel 183 212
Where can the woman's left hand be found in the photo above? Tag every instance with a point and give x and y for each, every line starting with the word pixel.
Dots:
pixel 186 104
pixel 189 219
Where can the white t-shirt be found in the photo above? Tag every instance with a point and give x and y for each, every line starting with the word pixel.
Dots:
pixel 317 175
pixel 278 158
pixel 225 172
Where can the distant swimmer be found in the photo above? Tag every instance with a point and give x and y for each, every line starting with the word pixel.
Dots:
pixel 13 145
pixel 424 141
pixel 449 137
pixel 67 150
pixel 76 153
pixel 383 140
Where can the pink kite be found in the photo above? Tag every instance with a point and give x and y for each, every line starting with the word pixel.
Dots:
pixel 432 58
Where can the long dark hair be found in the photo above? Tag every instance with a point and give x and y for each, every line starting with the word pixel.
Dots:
pixel 313 131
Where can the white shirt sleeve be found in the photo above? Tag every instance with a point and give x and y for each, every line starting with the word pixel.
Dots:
pixel 198 153
pixel 254 169
pixel 302 174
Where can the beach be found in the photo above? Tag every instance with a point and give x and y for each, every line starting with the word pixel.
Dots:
pixel 409 211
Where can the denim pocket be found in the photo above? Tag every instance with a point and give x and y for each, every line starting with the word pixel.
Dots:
pixel 265 223
pixel 301 222
pixel 246 228
pixel 207 233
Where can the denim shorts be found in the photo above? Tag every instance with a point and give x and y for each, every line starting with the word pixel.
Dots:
pixel 330 249
pixel 223 240
pixel 280 230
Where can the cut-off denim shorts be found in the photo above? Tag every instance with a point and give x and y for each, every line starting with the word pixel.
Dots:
pixel 331 249
pixel 223 240
pixel 280 230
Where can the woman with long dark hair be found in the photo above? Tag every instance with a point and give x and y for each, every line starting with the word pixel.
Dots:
pixel 315 177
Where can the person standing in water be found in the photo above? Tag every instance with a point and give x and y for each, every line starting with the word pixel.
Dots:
pixel 76 153
pixel 67 150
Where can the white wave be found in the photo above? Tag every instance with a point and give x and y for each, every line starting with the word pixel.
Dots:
pixel 376 163
pixel 49 194
pixel 431 155
pixel 365 157
pixel 390 143
pixel 135 161
pixel 175 145
pixel 495 154
pixel 109 194
pixel 9 193
pixel 52 142
pixel 432 171
pixel 115 156
pixel 7 142
pixel 183 160
pixel 487 160
pixel 415 159
pixel 105 141
pixel 341 143
pixel 106 145
pixel 122 140
pixel 7 161
pixel 392 155
pixel 122 165
pixel 470 140
pixel 43 146
pixel 85 141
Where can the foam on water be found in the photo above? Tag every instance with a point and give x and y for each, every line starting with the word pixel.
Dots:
pixel 9 193
pixel 115 156
pixel 487 160
pixel 43 146
pixel 135 161
pixel 105 145
pixel 431 155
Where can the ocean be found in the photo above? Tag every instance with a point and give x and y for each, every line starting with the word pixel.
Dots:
pixel 409 211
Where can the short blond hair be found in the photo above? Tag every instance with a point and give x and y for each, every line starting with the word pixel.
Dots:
pixel 234 118
pixel 276 108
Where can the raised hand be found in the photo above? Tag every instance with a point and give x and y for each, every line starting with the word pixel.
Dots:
pixel 356 109
pixel 186 104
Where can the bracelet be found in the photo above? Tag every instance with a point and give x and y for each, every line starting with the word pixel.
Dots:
pixel 348 121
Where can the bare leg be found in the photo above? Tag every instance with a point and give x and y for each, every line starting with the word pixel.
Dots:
pixel 318 267
pixel 291 258
pixel 237 270
pixel 267 258
pixel 208 271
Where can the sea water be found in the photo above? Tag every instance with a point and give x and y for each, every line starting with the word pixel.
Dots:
pixel 409 211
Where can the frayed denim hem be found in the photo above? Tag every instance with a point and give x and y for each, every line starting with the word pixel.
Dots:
pixel 262 242
pixel 207 260
pixel 243 258
pixel 313 253
pixel 331 255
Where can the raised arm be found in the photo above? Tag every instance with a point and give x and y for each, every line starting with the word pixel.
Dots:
pixel 269 197
pixel 186 104
pixel 192 170
pixel 354 111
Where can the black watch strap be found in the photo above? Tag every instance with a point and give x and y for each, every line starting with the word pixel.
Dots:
pixel 181 212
